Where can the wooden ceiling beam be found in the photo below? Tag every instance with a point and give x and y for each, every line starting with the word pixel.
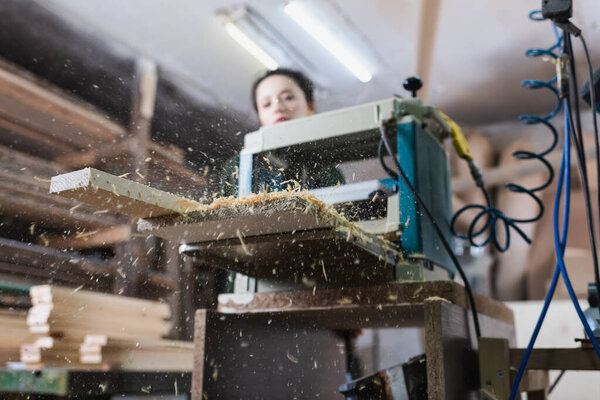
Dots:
pixel 428 24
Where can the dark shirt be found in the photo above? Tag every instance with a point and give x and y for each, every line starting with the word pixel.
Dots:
pixel 317 177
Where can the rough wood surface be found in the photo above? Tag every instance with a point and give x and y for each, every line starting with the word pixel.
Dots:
pixel 95 238
pixel 578 359
pixel 450 342
pixel 24 185
pixel 250 356
pixel 451 349
pixel 72 313
pixel 391 294
pixel 39 263
pixel 106 191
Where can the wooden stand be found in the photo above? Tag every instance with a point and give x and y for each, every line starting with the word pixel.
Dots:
pixel 285 345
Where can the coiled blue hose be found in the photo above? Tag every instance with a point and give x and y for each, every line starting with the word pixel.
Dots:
pixel 493 216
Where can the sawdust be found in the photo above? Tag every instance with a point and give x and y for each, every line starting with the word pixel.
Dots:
pixel 437 298
pixel 271 203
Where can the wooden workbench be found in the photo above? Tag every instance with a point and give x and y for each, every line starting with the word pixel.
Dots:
pixel 284 344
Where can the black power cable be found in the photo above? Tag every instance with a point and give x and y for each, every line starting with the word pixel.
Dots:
pixel 558 378
pixel 387 169
pixel 596 138
pixel 436 227
pixel 577 136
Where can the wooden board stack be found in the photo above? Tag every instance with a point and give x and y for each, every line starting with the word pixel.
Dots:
pixel 97 330
pixel 13 333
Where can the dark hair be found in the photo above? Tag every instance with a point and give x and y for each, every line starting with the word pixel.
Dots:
pixel 305 84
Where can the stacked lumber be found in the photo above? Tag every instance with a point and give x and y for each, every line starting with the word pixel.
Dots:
pixel 24 184
pixel 47 122
pixel 128 354
pixel 13 333
pixel 96 330
pixel 39 263
pixel 67 313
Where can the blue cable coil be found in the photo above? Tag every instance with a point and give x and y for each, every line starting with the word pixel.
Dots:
pixel 490 214
pixel 560 240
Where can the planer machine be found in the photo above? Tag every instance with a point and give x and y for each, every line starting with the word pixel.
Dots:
pixel 284 238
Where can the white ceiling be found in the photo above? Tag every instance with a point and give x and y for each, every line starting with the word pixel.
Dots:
pixel 478 59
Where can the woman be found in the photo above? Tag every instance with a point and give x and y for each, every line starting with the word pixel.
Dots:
pixel 281 95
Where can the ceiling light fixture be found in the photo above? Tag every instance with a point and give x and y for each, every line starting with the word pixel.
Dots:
pixel 321 34
pixel 251 47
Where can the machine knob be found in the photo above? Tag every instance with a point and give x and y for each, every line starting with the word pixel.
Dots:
pixel 412 84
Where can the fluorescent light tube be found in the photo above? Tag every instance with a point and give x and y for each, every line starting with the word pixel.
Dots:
pixel 313 26
pixel 250 46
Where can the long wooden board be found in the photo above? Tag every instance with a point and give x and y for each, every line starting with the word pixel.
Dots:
pixel 110 192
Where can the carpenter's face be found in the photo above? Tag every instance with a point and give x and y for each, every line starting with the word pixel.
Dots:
pixel 279 98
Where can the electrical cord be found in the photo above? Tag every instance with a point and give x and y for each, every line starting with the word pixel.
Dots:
pixel 558 378
pixel 596 138
pixel 586 191
pixel 436 227
pixel 387 169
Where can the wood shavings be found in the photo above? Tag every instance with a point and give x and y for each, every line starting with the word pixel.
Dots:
pixel 323 266
pixel 44 239
pixel 437 298
pixel 344 301
pixel 375 197
pixel 416 293
pixel 32 229
pixel 78 288
pixel 148 159
pixel 239 235
pixel 37 178
pixel 292 358
pixel 100 212
pixel 75 207
pixel 273 203
pixel 121 273
pixel 137 171
pixel 125 175
pixel 84 234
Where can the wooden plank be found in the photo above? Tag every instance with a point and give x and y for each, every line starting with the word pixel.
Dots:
pixel 29 140
pixel 451 349
pixel 41 263
pixel 106 191
pixel 390 294
pixel 86 240
pixel 48 112
pixel 27 254
pixel 428 24
pixel 580 359
pixel 46 294
pixel 138 354
pixel 72 314
pixel 535 384
pixel 494 368
pixel 24 184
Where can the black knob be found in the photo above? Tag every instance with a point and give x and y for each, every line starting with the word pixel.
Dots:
pixel 412 84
